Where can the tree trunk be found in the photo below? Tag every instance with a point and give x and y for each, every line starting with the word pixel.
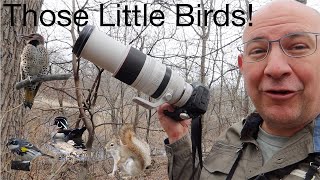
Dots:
pixel 12 110
pixel 204 38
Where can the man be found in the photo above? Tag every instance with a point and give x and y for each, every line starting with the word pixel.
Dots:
pixel 280 64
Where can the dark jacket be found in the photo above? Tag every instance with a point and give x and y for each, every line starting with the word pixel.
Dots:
pixel 294 157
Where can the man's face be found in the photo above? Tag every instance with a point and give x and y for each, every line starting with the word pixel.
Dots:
pixel 284 90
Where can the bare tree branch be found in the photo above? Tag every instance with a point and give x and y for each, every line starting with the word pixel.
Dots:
pixel 50 77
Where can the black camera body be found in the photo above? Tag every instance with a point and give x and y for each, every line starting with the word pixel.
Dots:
pixel 195 106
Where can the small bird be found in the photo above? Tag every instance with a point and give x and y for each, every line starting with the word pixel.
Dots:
pixel 26 150
pixel 61 122
pixel 68 142
pixel 63 134
pixel 34 63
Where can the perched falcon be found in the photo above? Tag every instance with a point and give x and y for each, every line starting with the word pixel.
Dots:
pixel 34 62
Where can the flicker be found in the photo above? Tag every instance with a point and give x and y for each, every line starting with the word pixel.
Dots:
pixel 34 63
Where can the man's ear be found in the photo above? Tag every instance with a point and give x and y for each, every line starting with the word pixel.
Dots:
pixel 240 61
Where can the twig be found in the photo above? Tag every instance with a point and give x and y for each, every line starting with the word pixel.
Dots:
pixel 5 112
pixel 57 171
pixel 51 77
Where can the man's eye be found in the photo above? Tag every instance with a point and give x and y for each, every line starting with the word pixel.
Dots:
pixel 298 47
pixel 257 51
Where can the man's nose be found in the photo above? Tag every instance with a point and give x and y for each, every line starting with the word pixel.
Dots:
pixel 277 63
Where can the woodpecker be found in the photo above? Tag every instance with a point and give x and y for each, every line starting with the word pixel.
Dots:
pixel 34 62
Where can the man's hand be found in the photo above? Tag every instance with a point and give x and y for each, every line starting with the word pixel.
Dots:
pixel 174 129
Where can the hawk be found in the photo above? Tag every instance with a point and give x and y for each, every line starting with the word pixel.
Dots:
pixel 34 63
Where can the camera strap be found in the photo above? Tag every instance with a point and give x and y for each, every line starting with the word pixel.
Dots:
pixel 314 167
pixel 196 134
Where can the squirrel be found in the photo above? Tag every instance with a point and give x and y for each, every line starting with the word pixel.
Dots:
pixel 130 154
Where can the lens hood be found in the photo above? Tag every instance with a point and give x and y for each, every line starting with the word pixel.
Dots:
pixel 82 40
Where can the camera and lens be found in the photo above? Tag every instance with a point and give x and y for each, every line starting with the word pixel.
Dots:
pixel 140 71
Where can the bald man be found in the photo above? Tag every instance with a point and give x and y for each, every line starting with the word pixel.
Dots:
pixel 280 64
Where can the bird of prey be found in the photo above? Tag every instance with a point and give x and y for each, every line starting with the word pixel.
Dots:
pixel 34 63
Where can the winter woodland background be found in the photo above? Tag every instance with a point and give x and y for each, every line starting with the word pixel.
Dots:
pixel 93 97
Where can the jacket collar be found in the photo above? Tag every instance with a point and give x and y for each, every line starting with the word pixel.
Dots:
pixel 251 128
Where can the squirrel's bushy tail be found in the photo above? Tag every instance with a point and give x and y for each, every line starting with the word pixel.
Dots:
pixel 140 148
pixel 126 133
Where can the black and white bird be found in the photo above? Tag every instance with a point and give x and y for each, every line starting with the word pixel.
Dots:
pixel 76 136
pixel 24 149
pixel 61 132
pixel 68 142
pixel 64 134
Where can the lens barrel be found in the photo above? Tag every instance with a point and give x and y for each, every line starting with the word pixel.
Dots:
pixel 131 66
